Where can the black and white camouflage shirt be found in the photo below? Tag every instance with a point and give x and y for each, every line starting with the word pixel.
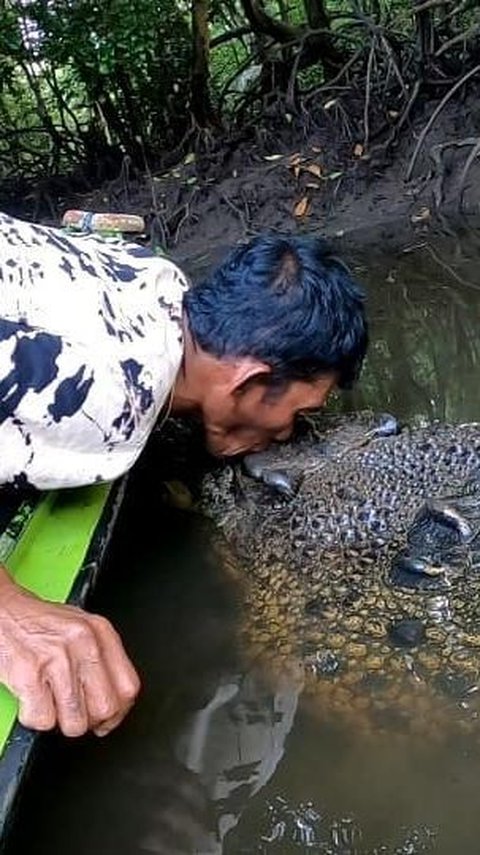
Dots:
pixel 90 346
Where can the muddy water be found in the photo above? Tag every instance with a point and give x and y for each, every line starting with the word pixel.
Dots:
pixel 222 754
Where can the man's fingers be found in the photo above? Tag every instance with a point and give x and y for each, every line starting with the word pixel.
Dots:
pixel 90 684
pixel 106 727
pixel 65 666
pixel 101 698
pixel 67 691
pixel 37 707
pixel 110 683
pixel 122 673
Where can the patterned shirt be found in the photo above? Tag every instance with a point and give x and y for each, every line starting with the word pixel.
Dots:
pixel 90 346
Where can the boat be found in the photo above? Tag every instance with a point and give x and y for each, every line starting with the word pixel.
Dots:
pixel 53 544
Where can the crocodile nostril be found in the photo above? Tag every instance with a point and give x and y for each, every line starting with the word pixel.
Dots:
pixel 280 481
pixel 255 465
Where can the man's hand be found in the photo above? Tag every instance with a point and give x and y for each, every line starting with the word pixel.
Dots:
pixel 67 667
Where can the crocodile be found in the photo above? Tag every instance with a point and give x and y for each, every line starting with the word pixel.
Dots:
pixel 359 542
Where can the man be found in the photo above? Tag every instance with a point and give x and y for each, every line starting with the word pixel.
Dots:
pixel 98 341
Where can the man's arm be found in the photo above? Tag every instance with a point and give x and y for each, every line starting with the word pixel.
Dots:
pixel 67 667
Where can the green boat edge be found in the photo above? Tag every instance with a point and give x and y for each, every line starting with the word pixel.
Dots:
pixel 54 549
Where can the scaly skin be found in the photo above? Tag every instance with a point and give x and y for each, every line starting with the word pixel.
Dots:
pixel 318 556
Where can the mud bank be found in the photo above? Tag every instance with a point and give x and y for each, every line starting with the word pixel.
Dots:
pixel 288 179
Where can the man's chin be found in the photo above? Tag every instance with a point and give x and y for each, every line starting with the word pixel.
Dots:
pixel 224 451
pixel 221 448
pixel 227 453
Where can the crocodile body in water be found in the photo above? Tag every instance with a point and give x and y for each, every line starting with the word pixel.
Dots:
pixel 361 548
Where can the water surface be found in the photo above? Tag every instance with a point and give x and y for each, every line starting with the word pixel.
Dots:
pixel 223 754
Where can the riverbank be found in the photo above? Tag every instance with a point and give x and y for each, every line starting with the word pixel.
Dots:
pixel 279 179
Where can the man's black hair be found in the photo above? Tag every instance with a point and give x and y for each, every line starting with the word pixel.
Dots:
pixel 287 301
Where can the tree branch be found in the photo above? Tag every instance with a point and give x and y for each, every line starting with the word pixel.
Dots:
pixel 230 36
pixel 267 26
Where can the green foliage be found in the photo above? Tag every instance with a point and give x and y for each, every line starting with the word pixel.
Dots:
pixel 122 51
pixel 85 81
pixel 115 69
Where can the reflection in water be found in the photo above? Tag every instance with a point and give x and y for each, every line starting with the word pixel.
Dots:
pixel 234 745
pixel 425 311
pixel 206 736
pixel 221 755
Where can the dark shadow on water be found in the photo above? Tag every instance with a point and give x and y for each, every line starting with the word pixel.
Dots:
pixel 219 757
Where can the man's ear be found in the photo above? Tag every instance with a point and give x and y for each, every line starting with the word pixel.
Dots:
pixel 246 371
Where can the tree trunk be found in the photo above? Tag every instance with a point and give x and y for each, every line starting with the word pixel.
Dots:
pixel 202 108
pixel 425 34
pixel 43 112
pixel 320 46
pixel 316 14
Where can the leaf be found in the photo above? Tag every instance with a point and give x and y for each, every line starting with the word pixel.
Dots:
pixel 316 149
pixel 311 185
pixel 314 169
pixel 330 104
pixel 190 158
pixel 332 176
pixel 271 157
pixel 302 208
pixel 358 150
pixel 295 159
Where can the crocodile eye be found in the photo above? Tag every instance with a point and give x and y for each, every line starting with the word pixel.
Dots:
pixel 439 527
pixel 387 425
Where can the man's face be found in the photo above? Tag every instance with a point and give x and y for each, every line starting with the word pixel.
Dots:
pixel 250 418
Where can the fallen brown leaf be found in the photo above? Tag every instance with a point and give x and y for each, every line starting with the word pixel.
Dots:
pixel 314 169
pixel 358 150
pixel 295 159
pixel 302 208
